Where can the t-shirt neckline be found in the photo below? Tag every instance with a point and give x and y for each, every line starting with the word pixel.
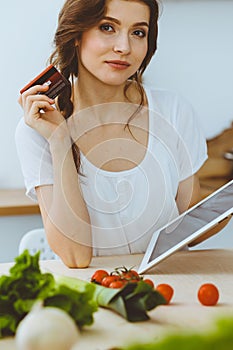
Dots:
pixel 85 160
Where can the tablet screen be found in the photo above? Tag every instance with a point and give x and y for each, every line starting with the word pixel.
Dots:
pixel 192 221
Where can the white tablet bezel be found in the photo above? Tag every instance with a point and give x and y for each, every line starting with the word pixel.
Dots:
pixel 146 264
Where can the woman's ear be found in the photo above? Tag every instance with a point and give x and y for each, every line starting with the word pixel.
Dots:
pixel 76 43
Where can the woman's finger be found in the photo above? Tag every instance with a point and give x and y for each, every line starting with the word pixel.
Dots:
pixel 35 90
pixel 37 106
pixel 42 101
pixel 37 110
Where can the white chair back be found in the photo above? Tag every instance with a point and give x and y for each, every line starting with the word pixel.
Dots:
pixel 35 240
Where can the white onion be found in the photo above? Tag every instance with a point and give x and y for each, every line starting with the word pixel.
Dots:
pixel 46 328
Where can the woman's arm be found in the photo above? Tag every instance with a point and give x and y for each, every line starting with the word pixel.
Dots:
pixel 64 212
pixel 213 231
pixel 188 195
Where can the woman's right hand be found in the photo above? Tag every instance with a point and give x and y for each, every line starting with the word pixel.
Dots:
pixel 39 112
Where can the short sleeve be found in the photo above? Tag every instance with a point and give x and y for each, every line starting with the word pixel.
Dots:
pixel 181 130
pixel 192 147
pixel 35 158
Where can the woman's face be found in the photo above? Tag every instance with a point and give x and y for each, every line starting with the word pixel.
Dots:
pixel 113 50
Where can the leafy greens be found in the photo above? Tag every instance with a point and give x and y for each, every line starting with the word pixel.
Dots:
pixel 26 284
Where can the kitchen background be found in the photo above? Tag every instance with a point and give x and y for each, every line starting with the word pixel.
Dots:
pixel 194 57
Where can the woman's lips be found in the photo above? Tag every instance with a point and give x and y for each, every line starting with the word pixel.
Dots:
pixel 121 65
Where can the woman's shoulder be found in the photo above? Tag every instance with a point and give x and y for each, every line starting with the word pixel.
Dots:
pixel 26 134
pixel 169 103
pixel 162 96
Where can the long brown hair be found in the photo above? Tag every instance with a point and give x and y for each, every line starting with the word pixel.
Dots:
pixel 76 17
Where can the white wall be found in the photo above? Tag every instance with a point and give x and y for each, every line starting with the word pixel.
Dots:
pixel 195 55
pixel 26 34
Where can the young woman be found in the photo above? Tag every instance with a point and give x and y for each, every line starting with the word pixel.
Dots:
pixel 110 160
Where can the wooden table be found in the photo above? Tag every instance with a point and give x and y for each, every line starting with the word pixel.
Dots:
pixel 15 202
pixel 185 271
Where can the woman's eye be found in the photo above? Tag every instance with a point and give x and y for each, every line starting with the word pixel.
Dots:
pixel 106 27
pixel 140 33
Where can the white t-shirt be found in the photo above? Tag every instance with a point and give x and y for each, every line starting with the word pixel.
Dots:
pixel 126 207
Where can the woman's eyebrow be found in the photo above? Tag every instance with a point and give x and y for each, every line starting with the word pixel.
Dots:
pixel 112 19
pixel 141 24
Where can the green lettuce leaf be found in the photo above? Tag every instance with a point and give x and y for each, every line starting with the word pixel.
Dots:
pixel 26 284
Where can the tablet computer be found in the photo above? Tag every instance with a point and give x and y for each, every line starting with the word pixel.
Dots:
pixel 188 226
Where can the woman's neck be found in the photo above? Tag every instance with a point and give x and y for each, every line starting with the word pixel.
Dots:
pixel 88 95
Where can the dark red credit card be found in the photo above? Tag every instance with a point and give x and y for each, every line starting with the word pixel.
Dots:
pixel 54 79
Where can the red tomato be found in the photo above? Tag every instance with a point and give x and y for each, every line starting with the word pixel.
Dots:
pixel 208 294
pixel 98 276
pixel 148 281
pixel 130 275
pixel 166 290
pixel 109 279
pixel 116 284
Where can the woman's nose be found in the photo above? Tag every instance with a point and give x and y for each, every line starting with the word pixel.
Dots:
pixel 122 44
